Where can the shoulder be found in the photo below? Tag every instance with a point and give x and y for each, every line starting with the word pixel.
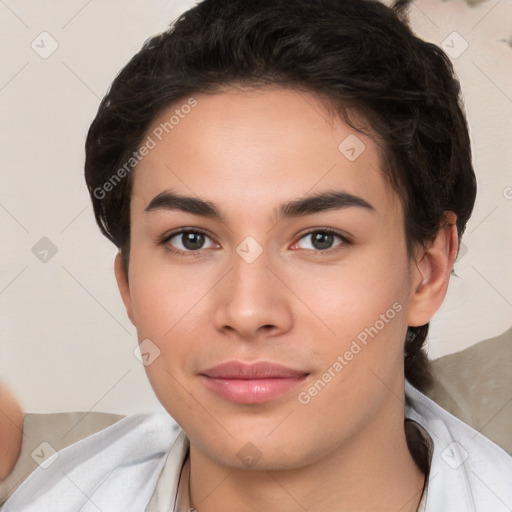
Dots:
pixel 111 469
pixel 468 472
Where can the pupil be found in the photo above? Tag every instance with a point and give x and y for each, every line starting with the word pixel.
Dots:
pixel 193 241
pixel 324 239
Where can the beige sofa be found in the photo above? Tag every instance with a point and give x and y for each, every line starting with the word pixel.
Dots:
pixel 476 386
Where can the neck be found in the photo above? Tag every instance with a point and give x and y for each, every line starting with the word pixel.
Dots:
pixel 372 471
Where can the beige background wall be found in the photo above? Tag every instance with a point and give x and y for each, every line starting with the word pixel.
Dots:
pixel 65 340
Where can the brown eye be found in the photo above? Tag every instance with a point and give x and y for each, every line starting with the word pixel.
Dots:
pixel 323 240
pixel 187 241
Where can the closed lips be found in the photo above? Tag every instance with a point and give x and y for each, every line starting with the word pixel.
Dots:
pixel 260 370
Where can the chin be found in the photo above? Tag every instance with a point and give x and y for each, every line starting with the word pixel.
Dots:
pixel 253 448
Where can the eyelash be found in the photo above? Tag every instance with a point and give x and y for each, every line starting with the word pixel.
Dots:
pixel 191 253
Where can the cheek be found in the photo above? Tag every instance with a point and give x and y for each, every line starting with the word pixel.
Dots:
pixel 361 313
pixel 345 299
pixel 165 309
pixel 164 299
pixel 169 308
pixel 361 352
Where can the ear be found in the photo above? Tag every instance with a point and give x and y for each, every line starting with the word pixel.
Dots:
pixel 123 285
pixel 431 273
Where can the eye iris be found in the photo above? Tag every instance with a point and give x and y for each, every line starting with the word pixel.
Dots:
pixel 324 240
pixel 193 241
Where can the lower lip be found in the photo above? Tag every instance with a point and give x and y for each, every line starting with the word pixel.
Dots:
pixel 252 391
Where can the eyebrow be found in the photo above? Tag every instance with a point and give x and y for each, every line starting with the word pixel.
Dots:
pixel 314 203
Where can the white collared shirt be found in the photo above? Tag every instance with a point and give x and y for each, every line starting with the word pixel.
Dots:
pixel 136 465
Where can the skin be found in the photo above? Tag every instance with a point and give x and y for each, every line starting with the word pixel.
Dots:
pixel 11 431
pixel 248 152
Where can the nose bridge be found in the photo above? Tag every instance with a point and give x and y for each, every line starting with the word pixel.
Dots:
pixel 251 297
pixel 250 268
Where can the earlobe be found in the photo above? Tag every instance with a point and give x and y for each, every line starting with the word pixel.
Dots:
pixel 431 273
pixel 123 285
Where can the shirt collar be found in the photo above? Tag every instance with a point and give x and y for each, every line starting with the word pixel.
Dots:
pixel 164 497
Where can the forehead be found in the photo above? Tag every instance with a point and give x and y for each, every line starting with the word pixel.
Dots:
pixel 257 148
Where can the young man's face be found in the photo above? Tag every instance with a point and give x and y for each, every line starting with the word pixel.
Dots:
pixel 331 310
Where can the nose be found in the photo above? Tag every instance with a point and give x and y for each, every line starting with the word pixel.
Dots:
pixel 251 301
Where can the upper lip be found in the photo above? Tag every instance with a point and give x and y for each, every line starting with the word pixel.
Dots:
pixel 259 370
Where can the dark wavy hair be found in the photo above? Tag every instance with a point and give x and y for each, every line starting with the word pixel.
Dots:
pixel 357 55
